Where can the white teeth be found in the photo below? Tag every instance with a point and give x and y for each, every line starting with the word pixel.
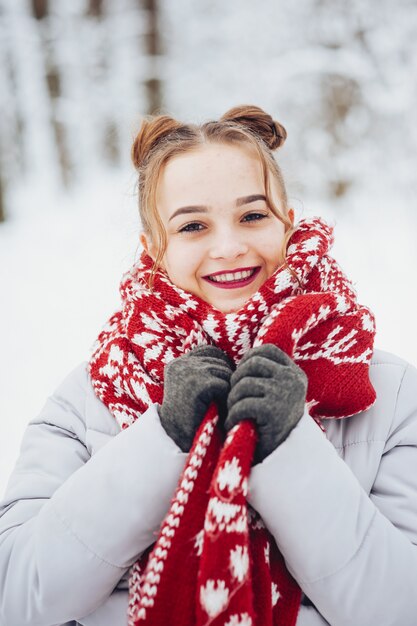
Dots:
pixel 231 277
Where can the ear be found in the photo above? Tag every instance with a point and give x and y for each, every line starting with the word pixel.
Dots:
pixel 291 215
pixel 147 245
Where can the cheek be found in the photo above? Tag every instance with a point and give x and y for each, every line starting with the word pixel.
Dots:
pixel 273 251
pixel 180 262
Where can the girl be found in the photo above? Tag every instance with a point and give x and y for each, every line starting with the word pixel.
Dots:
pixel 235 452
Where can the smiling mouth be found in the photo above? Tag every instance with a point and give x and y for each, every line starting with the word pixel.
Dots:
pixel 233 280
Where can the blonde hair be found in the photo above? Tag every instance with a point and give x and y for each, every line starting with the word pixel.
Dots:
pixel 161 138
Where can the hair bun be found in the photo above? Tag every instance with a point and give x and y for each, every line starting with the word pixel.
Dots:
pixel 258 122
pixel 152 130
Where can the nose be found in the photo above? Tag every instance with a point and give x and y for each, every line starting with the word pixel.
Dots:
pixel 228 245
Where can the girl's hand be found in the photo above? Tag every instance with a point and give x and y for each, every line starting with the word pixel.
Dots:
pixel 269 388
pixel 191 383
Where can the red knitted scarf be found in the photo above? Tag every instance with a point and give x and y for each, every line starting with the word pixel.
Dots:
pixel 214 561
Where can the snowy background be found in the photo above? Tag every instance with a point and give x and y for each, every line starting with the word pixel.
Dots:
pixel 75 77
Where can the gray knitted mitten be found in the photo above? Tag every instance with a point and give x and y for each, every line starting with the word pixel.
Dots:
pixel 191 383
pixel 269 388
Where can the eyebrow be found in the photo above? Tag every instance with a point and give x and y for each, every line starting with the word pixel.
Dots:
pixel 203 209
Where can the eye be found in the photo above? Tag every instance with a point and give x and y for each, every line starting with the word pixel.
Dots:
pixel 192 227
pixel 254 217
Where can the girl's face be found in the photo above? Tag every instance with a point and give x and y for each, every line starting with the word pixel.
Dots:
pixel 223 240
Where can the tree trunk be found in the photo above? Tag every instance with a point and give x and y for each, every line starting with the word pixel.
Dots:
pixel 95 8
pixel 53 81
pixel 54 88
pixel 40 8
pixel 2 202
pixel 153 48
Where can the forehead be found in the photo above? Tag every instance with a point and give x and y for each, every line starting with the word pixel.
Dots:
pixel 211 170
pixel 213 158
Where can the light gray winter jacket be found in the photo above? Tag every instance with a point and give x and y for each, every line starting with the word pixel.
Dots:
pixel 85 500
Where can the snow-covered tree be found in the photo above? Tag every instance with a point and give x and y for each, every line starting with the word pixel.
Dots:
pixel 339 76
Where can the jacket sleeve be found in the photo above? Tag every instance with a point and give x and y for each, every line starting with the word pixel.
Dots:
pixel 71 524
pixel 353 554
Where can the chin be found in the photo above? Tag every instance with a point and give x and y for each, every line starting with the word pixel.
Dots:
pixel 233 307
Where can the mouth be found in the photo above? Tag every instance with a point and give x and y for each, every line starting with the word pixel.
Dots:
pixel 234 279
